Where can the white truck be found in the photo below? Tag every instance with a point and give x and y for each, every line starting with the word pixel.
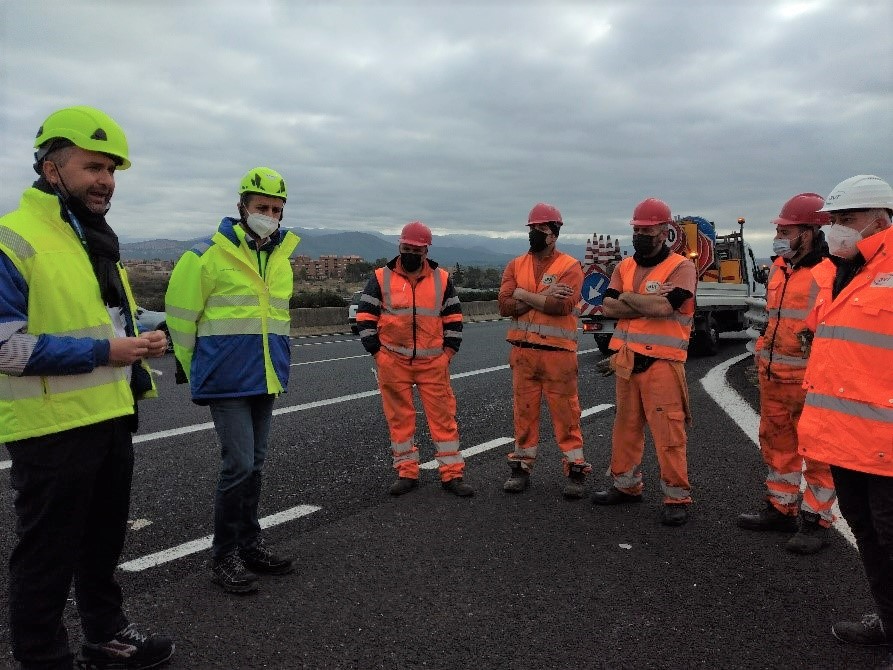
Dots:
pixel 727 276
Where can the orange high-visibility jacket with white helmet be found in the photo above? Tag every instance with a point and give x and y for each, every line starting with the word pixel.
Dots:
pixel 848 416
pixel 410 320
pixel 658 337
pixel 534 326
pixel 790 296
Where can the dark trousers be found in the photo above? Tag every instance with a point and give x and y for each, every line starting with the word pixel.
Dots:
pixel 71 503
pixel 866 502
pixel 243 430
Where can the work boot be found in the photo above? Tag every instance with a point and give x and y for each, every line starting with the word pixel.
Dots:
pixel 614 496
pixel 869 632
pixel 519 480
pixel 811 536
pixel 674 514
pixel 129 649
pixel 403 485
pixel 768 518
pixel 262 561
pixel 458 487
pixel 576 479
pixel 229 572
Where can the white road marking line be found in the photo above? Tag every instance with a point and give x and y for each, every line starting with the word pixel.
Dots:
pixel 500 441
pixel 738 409
pixel 471 451
pixel 5 465
pixel 195 428
pixel 204 543
pixel 316 344
pixel 329 360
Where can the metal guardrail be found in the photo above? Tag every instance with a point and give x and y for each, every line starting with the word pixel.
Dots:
pixel 756 318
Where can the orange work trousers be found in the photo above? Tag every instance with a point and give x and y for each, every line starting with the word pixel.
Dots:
pixel 431 376
pixel 780 408
pixel 553 374
pixel 658 397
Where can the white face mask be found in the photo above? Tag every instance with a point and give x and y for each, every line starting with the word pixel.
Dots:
pixel 842 240
pixel 260 225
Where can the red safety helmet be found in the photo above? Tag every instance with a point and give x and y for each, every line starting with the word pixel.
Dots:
pixel 543 212
pixel 803 210
pixel 416 233
pixel 651 212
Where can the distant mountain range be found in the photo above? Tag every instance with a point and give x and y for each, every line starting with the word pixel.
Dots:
pixel 475 250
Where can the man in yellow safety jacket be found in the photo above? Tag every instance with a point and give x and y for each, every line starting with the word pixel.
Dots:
pixel 228 298
pixel 71 370
pixel 539 291
pixel 410 320
pixel 652 295
pixel 781 359
pixel 847 418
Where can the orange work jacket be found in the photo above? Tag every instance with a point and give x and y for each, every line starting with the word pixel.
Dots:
pixel 411 324
pixel 535 327
pixel 848 416
pixel 790 296
pixel 658 337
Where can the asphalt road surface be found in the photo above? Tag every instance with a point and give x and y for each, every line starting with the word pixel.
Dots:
pixel 495 581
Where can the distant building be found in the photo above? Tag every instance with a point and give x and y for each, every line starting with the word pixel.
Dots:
pixel 153 267
pixel 327 266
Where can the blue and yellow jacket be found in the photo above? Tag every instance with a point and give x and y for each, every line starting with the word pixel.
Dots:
pixel 227 313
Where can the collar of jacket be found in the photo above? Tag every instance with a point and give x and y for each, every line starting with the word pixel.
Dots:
pixel 811 259
pixel 228 227
pixel 427 268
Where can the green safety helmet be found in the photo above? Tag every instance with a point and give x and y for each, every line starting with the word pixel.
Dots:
pixel 264 181
pixel 87 128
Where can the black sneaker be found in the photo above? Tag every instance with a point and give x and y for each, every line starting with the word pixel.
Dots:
pixel 458 487
pixel 869 632
pixel 403 485
pixel 262 561
pixel 128 650
pixel 614 496
pixel 230 573
pixel 811 536
pixel 768 518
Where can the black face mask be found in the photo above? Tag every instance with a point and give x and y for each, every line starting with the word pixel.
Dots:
pixel 644 244
pixel 537 240
pixel 410 262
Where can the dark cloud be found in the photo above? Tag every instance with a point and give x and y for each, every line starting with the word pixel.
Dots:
pixel 461 114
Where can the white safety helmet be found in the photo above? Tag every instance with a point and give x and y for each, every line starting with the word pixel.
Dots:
pixel 864 191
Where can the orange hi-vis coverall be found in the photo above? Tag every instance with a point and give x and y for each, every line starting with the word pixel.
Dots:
pixel 657 395
pixel 413 327
pixel 544 357
pixel 790 296
pixel 847 418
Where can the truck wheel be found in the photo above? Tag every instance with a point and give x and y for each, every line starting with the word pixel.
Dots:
pixel 603 342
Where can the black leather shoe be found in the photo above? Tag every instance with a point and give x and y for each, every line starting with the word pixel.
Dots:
pixel 403 485
pixel 614 496
pixel 230 573
pixel 674 514
pixel 768 518
pixel 458 487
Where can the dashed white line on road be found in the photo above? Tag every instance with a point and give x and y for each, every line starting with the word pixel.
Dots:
pixel 204 543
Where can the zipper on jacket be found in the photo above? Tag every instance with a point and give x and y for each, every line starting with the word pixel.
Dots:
pixel 784 290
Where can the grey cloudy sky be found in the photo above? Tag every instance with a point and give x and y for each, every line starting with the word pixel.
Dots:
pixel 462 114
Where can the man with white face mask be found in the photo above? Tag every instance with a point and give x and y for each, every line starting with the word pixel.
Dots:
pixel 228 297
pixel 847 419
pixel 781 360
